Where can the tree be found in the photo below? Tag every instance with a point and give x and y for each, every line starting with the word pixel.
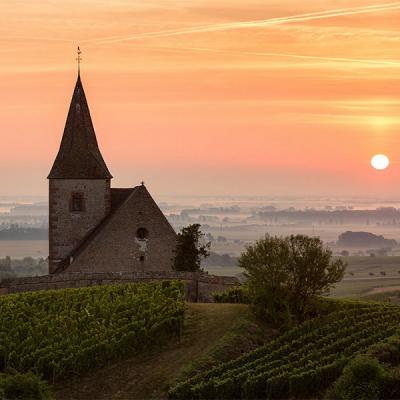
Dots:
pixel 285 274
pixel 191 248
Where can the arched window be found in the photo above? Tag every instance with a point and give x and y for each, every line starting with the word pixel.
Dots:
pixel 142 233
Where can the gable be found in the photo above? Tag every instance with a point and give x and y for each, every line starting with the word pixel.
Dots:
pixel 136 236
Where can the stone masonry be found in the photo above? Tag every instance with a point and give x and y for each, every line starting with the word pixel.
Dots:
pixel 67 228
pixel 199 287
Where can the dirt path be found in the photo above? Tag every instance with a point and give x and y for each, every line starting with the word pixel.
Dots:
pixel 147 377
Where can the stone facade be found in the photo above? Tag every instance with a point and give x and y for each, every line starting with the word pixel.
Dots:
pixel 199 287
pixel 117 246
pixel 68 228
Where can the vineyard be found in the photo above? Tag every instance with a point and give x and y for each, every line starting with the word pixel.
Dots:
pixel 302 362
pixel 63 332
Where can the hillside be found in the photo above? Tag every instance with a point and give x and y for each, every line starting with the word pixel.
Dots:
pixel 304 361
pixel 142 341
pixel 212 333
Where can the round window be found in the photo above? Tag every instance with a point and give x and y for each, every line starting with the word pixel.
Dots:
pixel 142 233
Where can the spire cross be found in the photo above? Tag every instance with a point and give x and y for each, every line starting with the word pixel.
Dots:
pixel 79 59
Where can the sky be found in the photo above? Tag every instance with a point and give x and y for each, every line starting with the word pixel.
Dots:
pixel 207 97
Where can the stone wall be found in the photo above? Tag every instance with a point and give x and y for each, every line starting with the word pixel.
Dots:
pixel 198 286
pixel 116 245
pixel 67 228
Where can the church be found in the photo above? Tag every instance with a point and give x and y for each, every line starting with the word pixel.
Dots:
pixel 92 226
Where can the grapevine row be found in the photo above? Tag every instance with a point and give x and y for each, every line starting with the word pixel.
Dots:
pixel 58 333
pixel 313 352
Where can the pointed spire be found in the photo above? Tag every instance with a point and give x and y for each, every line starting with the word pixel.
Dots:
pixel 79 156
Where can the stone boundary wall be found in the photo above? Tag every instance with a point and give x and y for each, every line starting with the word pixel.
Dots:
pixel 199 286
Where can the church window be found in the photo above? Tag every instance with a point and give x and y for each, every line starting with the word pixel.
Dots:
pixel 142 233
pixel 77 202
pixel 141 258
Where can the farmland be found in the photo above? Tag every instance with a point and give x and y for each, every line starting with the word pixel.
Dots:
pixel 132 342
pixel 301 363
pixel 59 333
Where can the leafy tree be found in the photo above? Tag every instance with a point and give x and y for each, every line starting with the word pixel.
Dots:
pixel 190 249
pixel 285 274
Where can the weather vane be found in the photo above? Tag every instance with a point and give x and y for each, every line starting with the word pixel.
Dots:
pixel 79 59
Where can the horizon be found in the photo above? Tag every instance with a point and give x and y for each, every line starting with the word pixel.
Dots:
pixel 208 98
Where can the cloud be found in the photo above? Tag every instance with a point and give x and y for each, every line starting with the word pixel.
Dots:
pixel 330 60
pixel 256 23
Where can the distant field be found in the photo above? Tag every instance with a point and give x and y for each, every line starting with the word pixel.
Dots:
pixel 367 264
pixel 357 285
pixel 346 288
pixel 24 248
pixel 360 266
pixel 359 288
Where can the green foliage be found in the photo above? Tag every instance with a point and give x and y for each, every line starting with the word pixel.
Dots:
pixel 57 333
pixel 23 387
pixel 301 363
pixel 387 351
pixel 243 336
pixel 190 249
pixel 236 295
pixel 285 274
pixel 363 379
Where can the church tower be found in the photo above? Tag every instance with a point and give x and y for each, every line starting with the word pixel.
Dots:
pixel 79 184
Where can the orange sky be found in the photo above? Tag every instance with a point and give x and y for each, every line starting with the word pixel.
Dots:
pixel 207 97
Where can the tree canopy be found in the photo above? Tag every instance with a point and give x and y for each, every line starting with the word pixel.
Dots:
pixel 285 273
pixel 191 248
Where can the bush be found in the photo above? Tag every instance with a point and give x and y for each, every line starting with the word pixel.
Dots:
pixel 362 379
pixel 23 386
pixel 387 351
pixel 235 295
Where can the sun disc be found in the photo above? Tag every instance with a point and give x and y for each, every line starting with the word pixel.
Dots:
pixel 380 161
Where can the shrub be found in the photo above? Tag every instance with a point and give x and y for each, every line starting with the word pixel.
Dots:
pixel 387 351
pixel 362 379
pixel 23 386
pixel 391 385
pixel 235 295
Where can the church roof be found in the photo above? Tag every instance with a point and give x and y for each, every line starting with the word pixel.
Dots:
pixel 79 156
pixel 118 196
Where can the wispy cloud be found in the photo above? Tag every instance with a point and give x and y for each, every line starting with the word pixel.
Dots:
pixel 257 23
pixel 330 60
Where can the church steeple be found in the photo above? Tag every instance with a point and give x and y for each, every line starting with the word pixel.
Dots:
pixel 79 156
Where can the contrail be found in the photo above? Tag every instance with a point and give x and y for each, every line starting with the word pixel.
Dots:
pixel 385 63
pixel 258 23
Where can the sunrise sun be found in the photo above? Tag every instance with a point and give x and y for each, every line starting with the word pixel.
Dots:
pixel 380 161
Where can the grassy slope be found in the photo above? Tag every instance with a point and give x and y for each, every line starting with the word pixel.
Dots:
pixel 209 328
